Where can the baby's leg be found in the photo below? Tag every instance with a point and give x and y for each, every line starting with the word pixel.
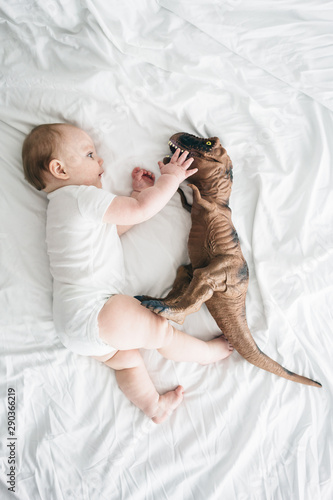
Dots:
pixel 125 324
pixel 134 381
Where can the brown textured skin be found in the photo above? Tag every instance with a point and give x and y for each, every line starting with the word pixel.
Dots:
pixel 218 273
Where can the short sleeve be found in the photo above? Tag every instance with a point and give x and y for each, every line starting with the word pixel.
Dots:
pixel 93 202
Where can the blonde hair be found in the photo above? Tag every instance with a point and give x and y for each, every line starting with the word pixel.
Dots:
pixel 39 148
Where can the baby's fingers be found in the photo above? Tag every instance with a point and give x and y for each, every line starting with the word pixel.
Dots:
pixel 182 158
pixel 135 171
pixel 175 156
pixel 187 163
pixel 188 173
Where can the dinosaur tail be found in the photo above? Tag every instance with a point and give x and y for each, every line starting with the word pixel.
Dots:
pixel 242 340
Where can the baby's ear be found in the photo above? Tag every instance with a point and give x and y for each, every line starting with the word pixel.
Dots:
pixel 58 170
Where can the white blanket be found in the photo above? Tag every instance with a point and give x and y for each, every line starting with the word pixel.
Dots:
pixel 257 74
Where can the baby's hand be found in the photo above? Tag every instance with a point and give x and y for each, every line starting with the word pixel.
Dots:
pixel 142 179
pixel 178 166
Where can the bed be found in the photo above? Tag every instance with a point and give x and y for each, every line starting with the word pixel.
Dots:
pixel 259 76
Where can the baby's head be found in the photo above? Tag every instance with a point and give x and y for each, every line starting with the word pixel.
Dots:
pixel 57 155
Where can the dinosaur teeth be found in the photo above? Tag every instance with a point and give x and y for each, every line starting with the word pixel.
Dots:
pixel 172 144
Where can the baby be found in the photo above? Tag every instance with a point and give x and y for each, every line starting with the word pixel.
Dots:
pixel 92 315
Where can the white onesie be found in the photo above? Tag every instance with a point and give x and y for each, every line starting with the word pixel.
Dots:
pixel 86 262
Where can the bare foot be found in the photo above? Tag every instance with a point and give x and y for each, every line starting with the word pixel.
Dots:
pixel 167 403
pixel 219 348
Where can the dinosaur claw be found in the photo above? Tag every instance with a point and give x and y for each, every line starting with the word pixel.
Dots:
pixel 141 298
pixel 154 305
pixel 160 307
pixel 165 310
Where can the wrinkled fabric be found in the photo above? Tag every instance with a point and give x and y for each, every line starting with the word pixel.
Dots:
pixel 259 76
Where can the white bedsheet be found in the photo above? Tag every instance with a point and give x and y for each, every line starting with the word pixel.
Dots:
pixel 258 74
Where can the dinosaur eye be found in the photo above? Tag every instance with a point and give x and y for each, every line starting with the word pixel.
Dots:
pixel 208 143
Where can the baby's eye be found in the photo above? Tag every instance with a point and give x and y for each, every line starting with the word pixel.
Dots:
pixel 90 155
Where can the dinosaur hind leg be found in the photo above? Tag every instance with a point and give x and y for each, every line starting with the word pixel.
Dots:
pixel 183 279
pixel 179 287
pixel 204 283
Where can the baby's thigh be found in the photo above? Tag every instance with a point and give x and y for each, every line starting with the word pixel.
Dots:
pixel 125 324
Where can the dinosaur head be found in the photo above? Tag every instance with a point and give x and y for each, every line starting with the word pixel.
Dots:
pixel 208 149
pixel 210 158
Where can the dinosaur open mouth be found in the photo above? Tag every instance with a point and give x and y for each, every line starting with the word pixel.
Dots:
pixel 191 143
pixel 174 146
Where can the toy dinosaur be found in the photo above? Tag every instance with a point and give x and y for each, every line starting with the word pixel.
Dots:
pixel 218 273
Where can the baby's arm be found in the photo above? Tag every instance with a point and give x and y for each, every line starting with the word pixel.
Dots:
pixel 130 210
pixel 141 179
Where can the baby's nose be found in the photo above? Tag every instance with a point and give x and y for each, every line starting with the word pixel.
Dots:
pixel 100 161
